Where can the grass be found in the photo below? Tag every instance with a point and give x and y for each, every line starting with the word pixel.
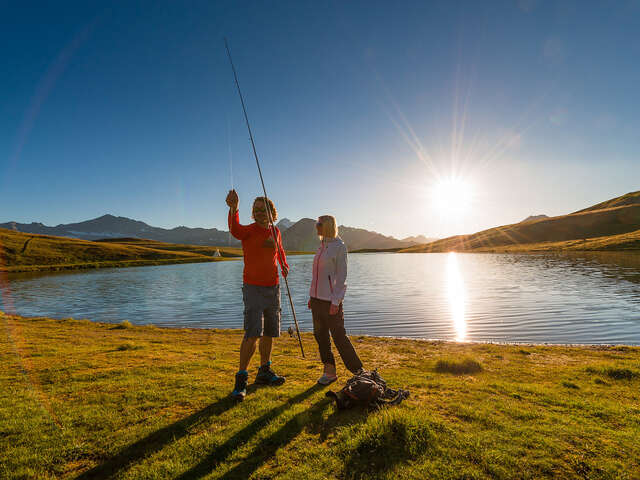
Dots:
pixel 387 439
pixel 611 225
pixel 508 239
pixel 623 242
pixel 128 346
pixel 82 400
pixel 123 325
pixel 458 367
pixel 614 372
pixel 628 199
pixel 26 252
pixel 175 247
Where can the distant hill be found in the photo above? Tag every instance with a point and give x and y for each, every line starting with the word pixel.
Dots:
pixel 419 239
pixel 534 217
pixel 358 238
pixel 632 198
pixel 284 224
pixel 26 252
pixel 298 236
pixel 614 224
pixel 302 236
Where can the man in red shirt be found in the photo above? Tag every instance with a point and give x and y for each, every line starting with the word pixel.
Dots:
pixel 260 289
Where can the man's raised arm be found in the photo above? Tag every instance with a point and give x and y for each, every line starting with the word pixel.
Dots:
pixel 238 231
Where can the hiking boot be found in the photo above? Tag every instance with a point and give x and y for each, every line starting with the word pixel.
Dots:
pixel 266 376
pixel 240 389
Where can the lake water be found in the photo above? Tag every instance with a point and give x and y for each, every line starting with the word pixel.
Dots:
pixel 578 298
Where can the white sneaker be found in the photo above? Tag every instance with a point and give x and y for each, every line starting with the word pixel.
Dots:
pixel 327 379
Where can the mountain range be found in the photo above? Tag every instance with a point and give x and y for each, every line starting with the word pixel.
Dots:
pixel 109 226
pixel 612 224
pixel 302 236
pixel 299 236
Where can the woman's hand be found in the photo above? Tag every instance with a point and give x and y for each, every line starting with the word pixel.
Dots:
pixel 309 304
pixel 334 309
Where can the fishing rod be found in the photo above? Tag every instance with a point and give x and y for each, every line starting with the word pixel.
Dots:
pixel 271 225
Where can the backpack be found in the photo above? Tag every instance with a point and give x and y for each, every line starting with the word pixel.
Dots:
pixel 367 389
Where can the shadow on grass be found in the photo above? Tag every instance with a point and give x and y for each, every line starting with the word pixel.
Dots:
pixel 386 440
pixel 267 447
pixel 157 440
pixel 311 418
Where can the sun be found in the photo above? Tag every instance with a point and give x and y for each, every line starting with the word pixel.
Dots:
pixel 452 196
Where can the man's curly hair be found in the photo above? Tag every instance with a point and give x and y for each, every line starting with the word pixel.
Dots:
pixel 272 207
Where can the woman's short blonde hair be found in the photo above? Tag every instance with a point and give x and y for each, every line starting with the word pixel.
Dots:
pixel 329 226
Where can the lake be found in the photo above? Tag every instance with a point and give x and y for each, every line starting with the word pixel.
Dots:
pixel 580 298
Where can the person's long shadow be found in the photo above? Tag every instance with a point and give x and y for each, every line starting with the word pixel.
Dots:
pixel 157 440
pixel 267 447
pixel 311 419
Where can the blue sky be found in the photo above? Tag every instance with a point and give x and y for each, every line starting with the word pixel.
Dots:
pixel 359 109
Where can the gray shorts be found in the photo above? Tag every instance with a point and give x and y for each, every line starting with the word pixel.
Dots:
pixel 261 310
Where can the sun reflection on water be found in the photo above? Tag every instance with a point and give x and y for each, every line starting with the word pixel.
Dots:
pixel 456 296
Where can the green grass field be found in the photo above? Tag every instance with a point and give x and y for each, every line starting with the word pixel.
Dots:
pixel 612 243
pixel 86 400
pixel 26 252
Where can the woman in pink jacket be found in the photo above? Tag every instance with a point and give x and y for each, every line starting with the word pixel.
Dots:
pixel 328 286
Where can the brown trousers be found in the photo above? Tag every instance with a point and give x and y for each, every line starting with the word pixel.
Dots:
pixel 326 326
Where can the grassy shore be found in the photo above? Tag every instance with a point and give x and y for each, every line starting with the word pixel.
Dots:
pixel 106 264
pixel 27 252
pixel 626 242
pixel 87 400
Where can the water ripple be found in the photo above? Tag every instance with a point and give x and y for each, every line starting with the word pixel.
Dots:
pixel 578 298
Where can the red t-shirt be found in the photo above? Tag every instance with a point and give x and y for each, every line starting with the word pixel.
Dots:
pixel 260 254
